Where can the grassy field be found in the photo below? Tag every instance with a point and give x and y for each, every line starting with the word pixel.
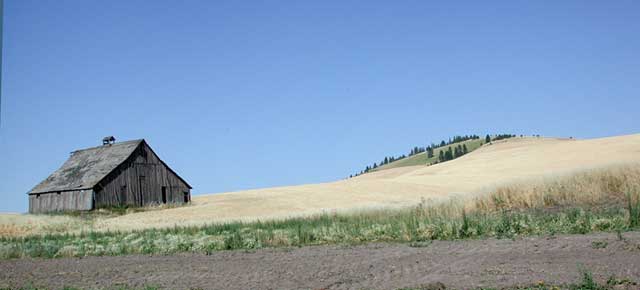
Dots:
pixel 514 166
pixel 418 227
pixel 597 200
pixel 422 159
pixel 527 160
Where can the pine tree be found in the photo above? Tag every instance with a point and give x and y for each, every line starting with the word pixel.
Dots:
pixel 441 156
pixel 449 154
pixel 487 139
pixel 464 149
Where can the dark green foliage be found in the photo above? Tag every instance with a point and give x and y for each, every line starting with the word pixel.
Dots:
pixel 448 155
pixel 503 136
pixel 466 226
pixel 587 282
pixel 599 244
pixel 429 152
pixel 614 281
pixel 428 149
pixel 233 242
pixel 633 206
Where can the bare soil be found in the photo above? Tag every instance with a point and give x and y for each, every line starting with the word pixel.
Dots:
pixel 456 264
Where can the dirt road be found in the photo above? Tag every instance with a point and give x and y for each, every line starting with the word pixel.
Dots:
pixel 456 264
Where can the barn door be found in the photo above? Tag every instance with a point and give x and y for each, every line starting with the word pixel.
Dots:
pixel 143 191
pixel 143 194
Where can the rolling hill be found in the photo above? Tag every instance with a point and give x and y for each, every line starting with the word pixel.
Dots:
pixel 490 165
pixel 422 159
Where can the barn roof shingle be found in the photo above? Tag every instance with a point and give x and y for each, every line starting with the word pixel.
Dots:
pixel 86 167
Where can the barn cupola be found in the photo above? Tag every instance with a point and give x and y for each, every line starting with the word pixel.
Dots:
pixel 108 140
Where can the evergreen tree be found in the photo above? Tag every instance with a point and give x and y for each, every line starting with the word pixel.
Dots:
pixel 487 139
pixel 464 149
pixel 449 154
pixel 441 156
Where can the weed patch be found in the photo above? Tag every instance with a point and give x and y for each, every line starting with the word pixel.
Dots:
pixel 412 226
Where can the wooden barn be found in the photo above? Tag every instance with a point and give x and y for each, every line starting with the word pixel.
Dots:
pixel 114 174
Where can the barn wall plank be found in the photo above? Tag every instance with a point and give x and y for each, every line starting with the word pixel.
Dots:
pixel 62 201
pixel 124 186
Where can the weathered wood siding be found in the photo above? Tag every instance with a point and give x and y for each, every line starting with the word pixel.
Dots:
pixel 139 181
pixel 61 201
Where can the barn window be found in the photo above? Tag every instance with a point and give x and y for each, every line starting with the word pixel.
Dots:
pixel 38 195
pixel 164 194
pixel 186 197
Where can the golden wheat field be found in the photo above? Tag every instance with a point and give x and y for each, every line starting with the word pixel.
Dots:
pixel 512 167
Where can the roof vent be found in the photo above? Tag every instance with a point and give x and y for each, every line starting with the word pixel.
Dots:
pixel 108 140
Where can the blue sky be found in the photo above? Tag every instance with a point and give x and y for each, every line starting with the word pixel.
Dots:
pixel 246 94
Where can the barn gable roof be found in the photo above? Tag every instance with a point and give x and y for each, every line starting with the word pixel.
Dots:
pixel 86 167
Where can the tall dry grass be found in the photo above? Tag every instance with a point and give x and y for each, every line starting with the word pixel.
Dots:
pixel 612 186
pixel 605 199
pixel 20 225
